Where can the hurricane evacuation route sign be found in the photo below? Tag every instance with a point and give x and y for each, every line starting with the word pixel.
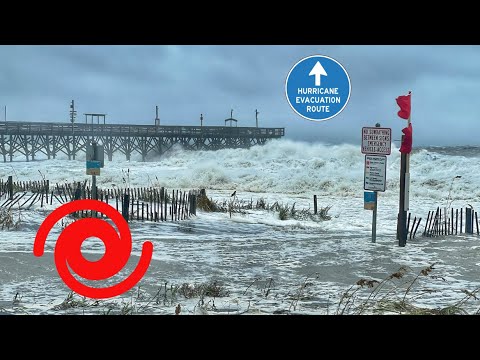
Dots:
pixel 318 87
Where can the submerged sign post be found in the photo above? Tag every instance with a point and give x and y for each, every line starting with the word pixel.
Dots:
pixel 318 87
pixel 95 161
pixel 376 144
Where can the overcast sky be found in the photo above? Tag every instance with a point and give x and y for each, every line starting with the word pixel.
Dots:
pixel 37 83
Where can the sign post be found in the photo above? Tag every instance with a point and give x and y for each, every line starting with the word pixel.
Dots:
pixel 95 161
pixel 376 144
pixel 375 179
pixel 370 203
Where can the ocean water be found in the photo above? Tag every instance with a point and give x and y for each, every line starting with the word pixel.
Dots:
pixel 258 263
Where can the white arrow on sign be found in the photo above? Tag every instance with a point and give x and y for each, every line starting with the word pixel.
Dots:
pixel 318 70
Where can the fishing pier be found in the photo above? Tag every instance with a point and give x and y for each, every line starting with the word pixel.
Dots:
pixel 32 138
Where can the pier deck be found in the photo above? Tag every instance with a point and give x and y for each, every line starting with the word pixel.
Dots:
pixel 50 139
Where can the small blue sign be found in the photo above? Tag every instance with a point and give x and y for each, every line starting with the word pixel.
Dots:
pixel 369 200
pixel 318 87
pixel 369 196
pixel 92 164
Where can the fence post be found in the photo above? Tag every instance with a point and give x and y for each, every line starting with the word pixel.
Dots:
pixel 476 220
pixel 418 223
pixel 125 206
pixel 468 221
pixel 10 187
pixel 426 225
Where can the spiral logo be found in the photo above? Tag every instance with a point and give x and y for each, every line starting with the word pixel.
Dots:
pixel 67 251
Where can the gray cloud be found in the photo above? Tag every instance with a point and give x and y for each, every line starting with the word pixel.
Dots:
pixel 126 82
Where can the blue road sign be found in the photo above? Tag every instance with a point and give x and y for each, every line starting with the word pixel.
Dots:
pixel 92 164
pixel 369 199
pixel 318 87
pixel 93 167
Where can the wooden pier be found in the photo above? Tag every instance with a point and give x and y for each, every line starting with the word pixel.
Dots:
pixel 50 139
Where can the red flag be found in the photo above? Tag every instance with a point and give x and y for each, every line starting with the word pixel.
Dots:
pixel 405 106
pixel 406 146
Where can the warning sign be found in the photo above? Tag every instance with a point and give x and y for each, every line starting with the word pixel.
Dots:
pixel 376 140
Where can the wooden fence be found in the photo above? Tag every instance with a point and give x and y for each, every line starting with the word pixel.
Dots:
pixel 451 222
pixel 145 203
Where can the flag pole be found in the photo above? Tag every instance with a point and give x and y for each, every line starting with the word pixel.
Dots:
pixel 404 191
pixel 407 174
pixel 408 124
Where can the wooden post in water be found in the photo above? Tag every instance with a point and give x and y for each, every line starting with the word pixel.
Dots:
pixel 452 222
pixel 456 221
pixel 408 223
pixel 445 221
pixel 185 204
pixel 315 204
pixel 125 206
pixel 440 227
pixel 476 220
pixel 426 224
pixel 435 223
pixel 418 223
pixel 161 204
pixel 468 221
pixel 194 204
pixel 180 206
pixel 132 214
pixel 47 189
pixel 10 187
pixel 152 210
pixel 413 225
pixel 184 201
pixel 165 206
pixel 172 203
pixel 429 231
pixel 461 220
pixel 176 206
pixel 138 210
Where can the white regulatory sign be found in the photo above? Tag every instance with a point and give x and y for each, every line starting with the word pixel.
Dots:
pixel 375 172
pixel 376 140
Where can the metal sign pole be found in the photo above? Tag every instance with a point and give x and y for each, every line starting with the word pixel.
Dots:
pixel 94 177
pixel 376 144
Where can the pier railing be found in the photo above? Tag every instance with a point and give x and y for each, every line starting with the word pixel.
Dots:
pixel 46 128
pixel 35 138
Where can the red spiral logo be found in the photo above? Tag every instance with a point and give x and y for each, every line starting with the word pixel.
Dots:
pixel 67 251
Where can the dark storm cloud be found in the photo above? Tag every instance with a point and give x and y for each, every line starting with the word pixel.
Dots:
pixel 134 62
pixel 126 82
